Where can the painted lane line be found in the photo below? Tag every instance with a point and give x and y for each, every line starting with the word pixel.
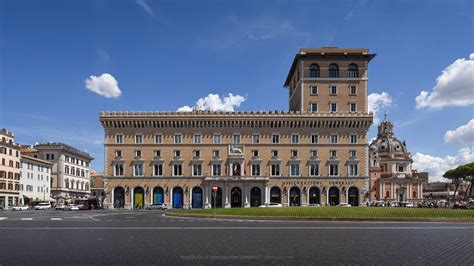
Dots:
pixel 94 218
pixel 26 219
pixel 3 218
pixel 243 228
pixel 56 219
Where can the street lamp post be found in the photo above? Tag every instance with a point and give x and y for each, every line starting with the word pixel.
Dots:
pixel 44 193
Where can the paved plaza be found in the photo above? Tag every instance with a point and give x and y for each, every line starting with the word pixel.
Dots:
pixel 151 237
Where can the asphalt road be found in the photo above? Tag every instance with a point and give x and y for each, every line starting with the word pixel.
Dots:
pixel 150 237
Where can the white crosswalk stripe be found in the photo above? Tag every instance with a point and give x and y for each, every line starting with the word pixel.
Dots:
pixel 3 218
pixel 26 219
pixel 56 219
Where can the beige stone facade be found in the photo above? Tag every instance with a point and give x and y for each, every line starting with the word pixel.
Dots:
pixel 300 157
pixel 9 170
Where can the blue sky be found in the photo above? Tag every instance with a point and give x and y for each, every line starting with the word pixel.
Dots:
pixel 168 54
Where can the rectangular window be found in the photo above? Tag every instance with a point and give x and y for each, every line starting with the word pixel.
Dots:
pixel 138 153
pixel 401 168
pixel 255 138
pixel 333 107
pixel 314 138
pixel 295 138
pixel 352 153
pixel 197 169
pixel 177 138
pixel 255 153
pixel 353 107
pixel 177 153
pixel 216 153
pixel 353 138
pixel 118 153
pixel 313 153
pixel 138 169
pixel 314 169
pixel 158 139
pixel 177 170
pixel 314 107
pixel 274 153
pixel 236 138
pixel 314 90
pixel 275 169
pixel 119 139
pixel 216 169
pixel 294 169
pixel 333 139
pixel 294 153
pixel 333 153
pixel 333 170
pixel 353 90
pixel 157 153
pixel 138 139
pixel 255 169
pixel 157 169
pixel 275 138
pixel 216 139
pixel 196 154
pixel 333 90
pixel 353 170
pixel 197 138
pixel 118 170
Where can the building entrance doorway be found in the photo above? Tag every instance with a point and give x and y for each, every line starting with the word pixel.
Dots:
pixel 334 196
pixel 236 198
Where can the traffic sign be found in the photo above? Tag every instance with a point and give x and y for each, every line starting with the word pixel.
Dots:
pixel 214 188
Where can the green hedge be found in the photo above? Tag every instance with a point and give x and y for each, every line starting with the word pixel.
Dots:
pixel 333 212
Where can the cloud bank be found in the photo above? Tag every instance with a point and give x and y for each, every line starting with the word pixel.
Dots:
pixel 454 87
pixel 213 102
pixel 105 85
pixel 377 102
pixel 437 166
pixel 461 136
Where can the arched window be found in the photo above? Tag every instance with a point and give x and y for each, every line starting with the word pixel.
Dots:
pixel 414 194
pixel 314 71
pixel 353 71
pixel 333 71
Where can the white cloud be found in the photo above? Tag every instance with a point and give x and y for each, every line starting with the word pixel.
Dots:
pixel 213 102
pixel 377 102
pixel 454 87
pixel 437 166
pixel 462 136
pixel 105 85
pixel 145 7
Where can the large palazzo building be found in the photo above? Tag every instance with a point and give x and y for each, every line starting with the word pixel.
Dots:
pixel 315 153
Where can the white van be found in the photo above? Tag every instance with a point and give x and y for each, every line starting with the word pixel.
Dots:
pixel 43 206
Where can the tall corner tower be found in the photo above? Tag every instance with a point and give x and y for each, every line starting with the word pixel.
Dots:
pixel 329 80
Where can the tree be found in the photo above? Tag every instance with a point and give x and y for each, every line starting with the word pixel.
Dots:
pixel 459 175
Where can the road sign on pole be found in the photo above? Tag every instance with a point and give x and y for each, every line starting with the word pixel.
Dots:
pixel 214 188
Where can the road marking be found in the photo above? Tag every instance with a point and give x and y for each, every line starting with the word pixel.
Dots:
pixel 26 219
pixel 56 219
pixel 3 218
pixel 94 218
pixel 246 228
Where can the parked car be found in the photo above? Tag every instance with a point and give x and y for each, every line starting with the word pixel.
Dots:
pixel 156 207
pixel 314 205
pixel 270 205
pixel 21 208
pixel 71 207
pixel 43 206
pixel 344 205
pixel 60 207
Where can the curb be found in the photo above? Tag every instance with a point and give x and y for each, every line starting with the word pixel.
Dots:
pixel 272 218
